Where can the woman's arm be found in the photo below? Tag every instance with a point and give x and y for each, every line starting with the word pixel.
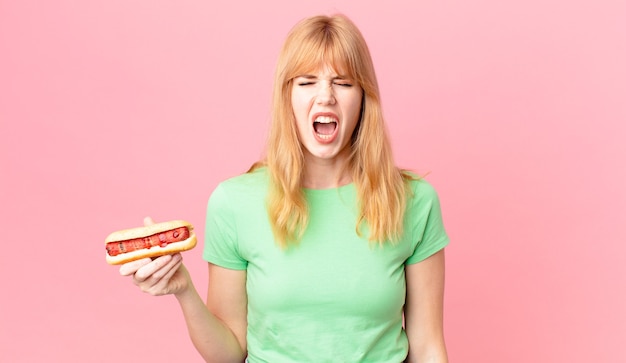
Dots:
pixel 218 328
pixel 423 311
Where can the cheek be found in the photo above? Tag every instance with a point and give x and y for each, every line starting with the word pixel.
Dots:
pixel 301 106
pixel 355 108
pixel 296 102
pixel 299 113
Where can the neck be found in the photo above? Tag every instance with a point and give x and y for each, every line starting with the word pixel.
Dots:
pixel 326 174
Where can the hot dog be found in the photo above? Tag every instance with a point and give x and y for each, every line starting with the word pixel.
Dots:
pixel 149 241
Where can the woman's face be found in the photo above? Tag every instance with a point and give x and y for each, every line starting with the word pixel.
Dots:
pixel 327 107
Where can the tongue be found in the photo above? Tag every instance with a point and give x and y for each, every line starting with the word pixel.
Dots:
pixel 325 128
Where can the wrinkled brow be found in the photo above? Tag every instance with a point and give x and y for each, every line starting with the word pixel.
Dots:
pixel 312 76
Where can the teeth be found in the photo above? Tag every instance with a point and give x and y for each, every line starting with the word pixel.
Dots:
pixel 325 119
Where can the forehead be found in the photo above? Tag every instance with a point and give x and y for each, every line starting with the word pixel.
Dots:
pixel 324 70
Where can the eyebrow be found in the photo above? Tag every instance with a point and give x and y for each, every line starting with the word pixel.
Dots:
pixel 310 76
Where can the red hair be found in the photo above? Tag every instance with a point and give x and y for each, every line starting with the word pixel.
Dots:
pixel 382 188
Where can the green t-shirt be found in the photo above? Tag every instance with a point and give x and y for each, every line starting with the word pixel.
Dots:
pixel 334 297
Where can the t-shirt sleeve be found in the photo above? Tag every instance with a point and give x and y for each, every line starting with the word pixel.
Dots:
pixel 428 232
pixel 220 237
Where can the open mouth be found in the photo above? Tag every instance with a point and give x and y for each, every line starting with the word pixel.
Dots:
pixel 325 126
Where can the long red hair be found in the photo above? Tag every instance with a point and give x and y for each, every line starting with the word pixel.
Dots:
pixel 382 188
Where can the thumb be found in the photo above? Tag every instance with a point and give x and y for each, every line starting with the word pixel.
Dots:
pixel 147 221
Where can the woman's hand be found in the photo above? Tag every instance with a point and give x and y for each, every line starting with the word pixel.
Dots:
pixel 161 276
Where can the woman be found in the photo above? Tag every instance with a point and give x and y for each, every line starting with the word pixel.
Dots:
pixel 325 251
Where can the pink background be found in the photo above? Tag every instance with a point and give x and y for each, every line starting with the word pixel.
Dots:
pixel 113 110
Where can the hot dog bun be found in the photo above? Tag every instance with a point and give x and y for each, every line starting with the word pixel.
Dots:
pixel 119 237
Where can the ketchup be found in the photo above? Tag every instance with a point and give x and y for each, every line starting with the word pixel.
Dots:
pixel 161 239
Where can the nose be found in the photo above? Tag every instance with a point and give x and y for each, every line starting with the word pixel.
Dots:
pixel 325 95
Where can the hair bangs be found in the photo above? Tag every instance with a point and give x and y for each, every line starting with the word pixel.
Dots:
pixel 326 47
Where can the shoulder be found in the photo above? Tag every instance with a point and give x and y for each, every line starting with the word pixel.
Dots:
pixel 422 197
pixel 247 182
pixel 420 190
pixel 241 188
pixel 257 177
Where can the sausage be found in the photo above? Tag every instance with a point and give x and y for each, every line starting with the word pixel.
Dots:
pixel 161 239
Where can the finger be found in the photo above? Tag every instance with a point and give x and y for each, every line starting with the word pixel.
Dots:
pixel 148 270
pixel 157 283
pixel 165 269
pixel 162 285
pixel 130 268
pixel 147 221
pixel 173 270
